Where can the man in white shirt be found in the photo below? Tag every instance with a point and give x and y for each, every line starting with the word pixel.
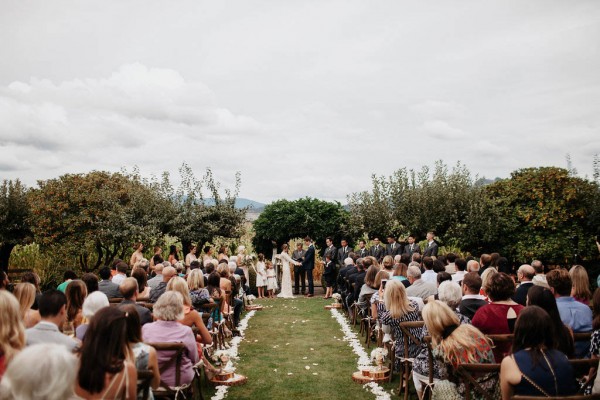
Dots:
pixel 540 277
pixel 461 266
pixel 429 275
pixel 121 273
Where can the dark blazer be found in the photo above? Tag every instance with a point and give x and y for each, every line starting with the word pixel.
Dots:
pixel 468 307
pixel 143 312
pixel 431 250
pixel 415 249
pixel 308 263
pixel 362 253
pixel 397 249
pixel 110 289
pixel 378 253
pixel 297 255
pixel 329 270
pixel 520 295
pixel 342 255
pixel 332 251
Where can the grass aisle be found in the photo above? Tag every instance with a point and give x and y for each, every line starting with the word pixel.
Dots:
pixel 285 339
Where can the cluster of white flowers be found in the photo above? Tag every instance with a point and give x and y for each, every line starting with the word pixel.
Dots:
pixel 379 352
pixel 221 392
pixel 363 358
pixel 336 296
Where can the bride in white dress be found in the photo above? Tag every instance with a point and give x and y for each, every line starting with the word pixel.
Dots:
pixel 286 274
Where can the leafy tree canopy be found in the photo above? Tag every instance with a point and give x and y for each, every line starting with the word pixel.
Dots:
pixel 14 214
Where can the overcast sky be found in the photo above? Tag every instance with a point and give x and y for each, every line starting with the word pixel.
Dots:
pixel 302 97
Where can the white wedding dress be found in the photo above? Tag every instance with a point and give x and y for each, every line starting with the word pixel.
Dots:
pixel 286 276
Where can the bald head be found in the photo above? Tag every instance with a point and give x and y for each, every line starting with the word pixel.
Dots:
pixel 129 288
pixel 472 266
pixel 538 266
pixel 168 273
pixel 158 268
pixel 525 272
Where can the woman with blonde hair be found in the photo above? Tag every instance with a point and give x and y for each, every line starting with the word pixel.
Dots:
pixel 396 308
pixel 198 292
pixel 25 293
pixel 485 279
pixel 191 317
pixel 388 263
pixel 12 331
pixel 581 284
pixel 454 343
pixel 223 270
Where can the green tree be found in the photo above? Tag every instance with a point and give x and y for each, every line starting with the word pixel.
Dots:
pixel 283 220
pixel 14 213
pixel 540 210
pixel 95 217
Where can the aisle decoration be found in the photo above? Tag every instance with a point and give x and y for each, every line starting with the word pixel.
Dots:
pixel 251 306
pixel 337 301
pixel 228 377
pixel 364 361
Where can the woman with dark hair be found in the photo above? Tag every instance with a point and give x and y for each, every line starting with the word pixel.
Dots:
pixel 504 266
pixel 543 298
pixel 91 282
pixel 500 315
pixel 217 295
pixel 536 367
pixel 142 279
pixel 595 341
pixel 173 254
pixel 144 355
pixel 76 293
pixel 223 253
pixel 104 372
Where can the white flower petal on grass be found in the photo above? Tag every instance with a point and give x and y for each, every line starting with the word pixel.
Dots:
pixel 290 373
pixel 304 358
pixel 307 367
pixel 311 349
pixel 315 364
pixel 315 373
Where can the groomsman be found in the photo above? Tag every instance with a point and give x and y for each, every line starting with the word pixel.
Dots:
pixel 377 250
pixel 393 248
pixel 330 249
pixel 299 272
pixel 343 253
pixel 412 247
pixel 432 247
pixel 362 250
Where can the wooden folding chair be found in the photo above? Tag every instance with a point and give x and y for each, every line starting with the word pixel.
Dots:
pixel 164 390
pixel 406 364
pixel 367 320
pixel 143 384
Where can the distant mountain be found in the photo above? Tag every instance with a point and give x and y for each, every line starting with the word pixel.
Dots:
pixel 241 203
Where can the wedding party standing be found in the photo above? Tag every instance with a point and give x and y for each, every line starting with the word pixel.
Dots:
pixel 286 275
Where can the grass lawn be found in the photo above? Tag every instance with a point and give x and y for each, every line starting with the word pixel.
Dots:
pixel 284 339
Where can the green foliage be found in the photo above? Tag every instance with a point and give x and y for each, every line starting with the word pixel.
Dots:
pixel 96 216
pixel 14 214
pixel 283 220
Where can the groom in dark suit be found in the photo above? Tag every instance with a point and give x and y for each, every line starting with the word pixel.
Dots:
pixel 308 264
pixel 431 250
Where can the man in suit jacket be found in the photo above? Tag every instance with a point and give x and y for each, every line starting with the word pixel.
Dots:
pixel 53 310
pixel 432 247
pixel 106 286
pixel 411 247
pixel 471 300
pixel 377 250
pixel 343 253
pixel 308 264
pixel 362 250
pixel 130 291
pixel 393 248
pixel 330 249
pixel 525 275
pixel 299 272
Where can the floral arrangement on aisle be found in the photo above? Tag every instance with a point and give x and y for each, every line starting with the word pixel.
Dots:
pixel 337 298
pixel 378 355
pixel 222 358
pixel 251 298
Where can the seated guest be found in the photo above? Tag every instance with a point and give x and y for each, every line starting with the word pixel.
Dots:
pixel 53 310
pixel 356 279
pixel 418 287
pixel 156 292
pixel 91 282
pixel 442 276
pixel 429 275
pixel 395 308
pixel 485 277
pixel 460 264
pixel 543 298
pixel 455 342
pixel 25 294
pixel 500 315
pixel 167 311
pixel 121 273
pixel 581 284
pixel 76 293
pixel 198 293
pixel 473 266
pixel 536 367
pixel 223 270
pixel 595 342
pixel 158 278
pixel 106 286
pixel 525 274
pixel 42 371
pixel 471 300
pixel 400 272
pixel 144 355
pixel 130 292
pixel 540 275
pixel 142 279
pixel 91 305
pixel 572 313
pixel 12 332
pixel 104 369
pixel 451 266
pixel 68 276
pixel 368 288
pixel 191 317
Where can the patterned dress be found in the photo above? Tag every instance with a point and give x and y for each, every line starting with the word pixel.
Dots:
pixel 141 353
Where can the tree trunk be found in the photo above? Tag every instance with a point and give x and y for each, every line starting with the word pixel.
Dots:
pixel 5 251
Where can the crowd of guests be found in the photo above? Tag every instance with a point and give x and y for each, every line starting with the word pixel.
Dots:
pixel 463 301
pixel 88 337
